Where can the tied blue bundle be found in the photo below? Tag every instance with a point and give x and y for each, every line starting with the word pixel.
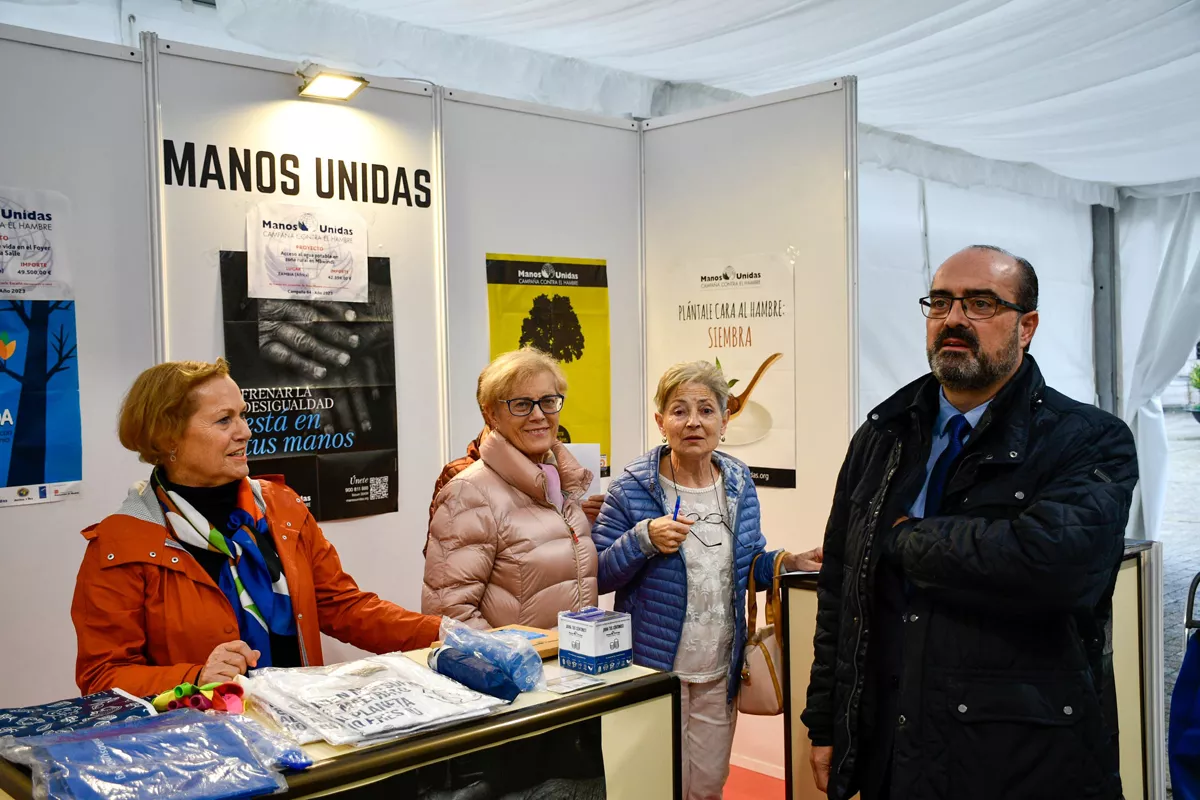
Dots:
pixel 474 673
pixel 510 652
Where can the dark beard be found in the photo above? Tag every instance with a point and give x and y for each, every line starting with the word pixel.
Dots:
pixel 976 370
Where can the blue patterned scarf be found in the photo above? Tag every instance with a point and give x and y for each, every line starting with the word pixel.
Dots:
pixel 262 606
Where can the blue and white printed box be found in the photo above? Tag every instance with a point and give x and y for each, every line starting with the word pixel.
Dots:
pixel 594 641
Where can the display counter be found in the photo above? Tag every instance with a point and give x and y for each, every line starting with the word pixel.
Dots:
pixel 1135 641
pixel 634 716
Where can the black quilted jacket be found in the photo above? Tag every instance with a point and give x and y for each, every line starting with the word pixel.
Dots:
pixel 1009 594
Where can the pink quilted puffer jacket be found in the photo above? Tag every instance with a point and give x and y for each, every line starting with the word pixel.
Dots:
pixel 499 552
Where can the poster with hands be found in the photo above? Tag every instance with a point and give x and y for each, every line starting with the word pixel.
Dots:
pixel 318 378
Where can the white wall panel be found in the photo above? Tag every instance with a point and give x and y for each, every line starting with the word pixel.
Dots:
pixel 79 131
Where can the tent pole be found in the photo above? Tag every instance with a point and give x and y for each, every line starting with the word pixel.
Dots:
pixel 1106 311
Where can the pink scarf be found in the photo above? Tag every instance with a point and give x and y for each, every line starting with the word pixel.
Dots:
pixel 553 485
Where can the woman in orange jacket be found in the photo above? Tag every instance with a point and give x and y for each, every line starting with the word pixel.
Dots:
pixel 203 572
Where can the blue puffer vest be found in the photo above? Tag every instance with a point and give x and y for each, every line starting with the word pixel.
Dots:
pixel 653 590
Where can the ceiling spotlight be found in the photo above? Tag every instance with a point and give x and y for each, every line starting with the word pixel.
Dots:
pixel 323 84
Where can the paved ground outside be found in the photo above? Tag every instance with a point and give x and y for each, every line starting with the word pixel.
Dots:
pixel 1180 536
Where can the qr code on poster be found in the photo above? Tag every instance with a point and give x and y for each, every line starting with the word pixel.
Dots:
pixel 379 488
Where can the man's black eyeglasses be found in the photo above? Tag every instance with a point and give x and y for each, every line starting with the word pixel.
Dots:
pixel 523 406
pixel 975 306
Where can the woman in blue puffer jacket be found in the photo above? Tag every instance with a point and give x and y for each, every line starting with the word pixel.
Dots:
pixel 677 535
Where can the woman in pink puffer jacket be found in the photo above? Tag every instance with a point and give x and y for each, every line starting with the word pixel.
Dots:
pixel 509 542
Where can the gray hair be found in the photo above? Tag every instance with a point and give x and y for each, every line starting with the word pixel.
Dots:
pixel 704 373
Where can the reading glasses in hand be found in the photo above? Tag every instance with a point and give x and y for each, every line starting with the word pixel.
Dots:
pixel 523 406
pixel 711 519
pixel 975 306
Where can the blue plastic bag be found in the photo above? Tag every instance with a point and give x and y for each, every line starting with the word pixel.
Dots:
pixel 509 651
pixel 182 755
pixel 274 750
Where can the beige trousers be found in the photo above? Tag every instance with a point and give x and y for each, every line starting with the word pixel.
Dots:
pixel 706 738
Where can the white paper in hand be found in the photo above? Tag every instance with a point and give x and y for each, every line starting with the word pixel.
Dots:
pixel 588 456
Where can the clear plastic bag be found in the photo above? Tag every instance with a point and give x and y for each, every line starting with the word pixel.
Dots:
pixel 511 652
pixel 183 755
pixel 275 750
pixel 367 701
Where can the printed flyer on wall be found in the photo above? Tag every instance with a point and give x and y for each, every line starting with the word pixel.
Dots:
pixel 559 305
pixel 738 314
pixel 33 251
pixel 306 253
pixel 318 378
pixel 41 450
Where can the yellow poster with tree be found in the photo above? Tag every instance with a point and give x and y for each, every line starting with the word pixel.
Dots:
pixel 560 306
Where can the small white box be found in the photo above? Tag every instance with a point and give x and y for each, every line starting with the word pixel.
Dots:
pixel 594 641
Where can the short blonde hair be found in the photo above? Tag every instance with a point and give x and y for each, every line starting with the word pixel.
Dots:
pixel 704 373
pixel 500 378
pixel 159 404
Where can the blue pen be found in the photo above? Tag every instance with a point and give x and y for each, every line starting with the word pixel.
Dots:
pixel 675 516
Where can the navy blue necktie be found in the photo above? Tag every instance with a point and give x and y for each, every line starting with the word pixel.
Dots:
pixel 958 428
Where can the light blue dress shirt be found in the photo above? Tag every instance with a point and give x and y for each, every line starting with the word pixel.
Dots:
pixel 941 442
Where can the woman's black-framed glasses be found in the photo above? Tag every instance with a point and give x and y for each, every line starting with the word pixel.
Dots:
pixel 523 406
pixel 711 519
pixel 975 306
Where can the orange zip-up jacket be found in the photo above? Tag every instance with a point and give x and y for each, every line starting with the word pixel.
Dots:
pixel 147 615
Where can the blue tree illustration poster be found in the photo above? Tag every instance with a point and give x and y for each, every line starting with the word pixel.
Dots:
pixel 41 451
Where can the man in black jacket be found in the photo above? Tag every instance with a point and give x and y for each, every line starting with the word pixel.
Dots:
pixel 970 560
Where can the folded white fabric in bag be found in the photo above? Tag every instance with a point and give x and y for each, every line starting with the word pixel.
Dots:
pixel 367 701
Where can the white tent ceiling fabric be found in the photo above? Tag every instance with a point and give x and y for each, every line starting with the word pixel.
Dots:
pixel 1100 90
pixel 958 168
pixel 1174 189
